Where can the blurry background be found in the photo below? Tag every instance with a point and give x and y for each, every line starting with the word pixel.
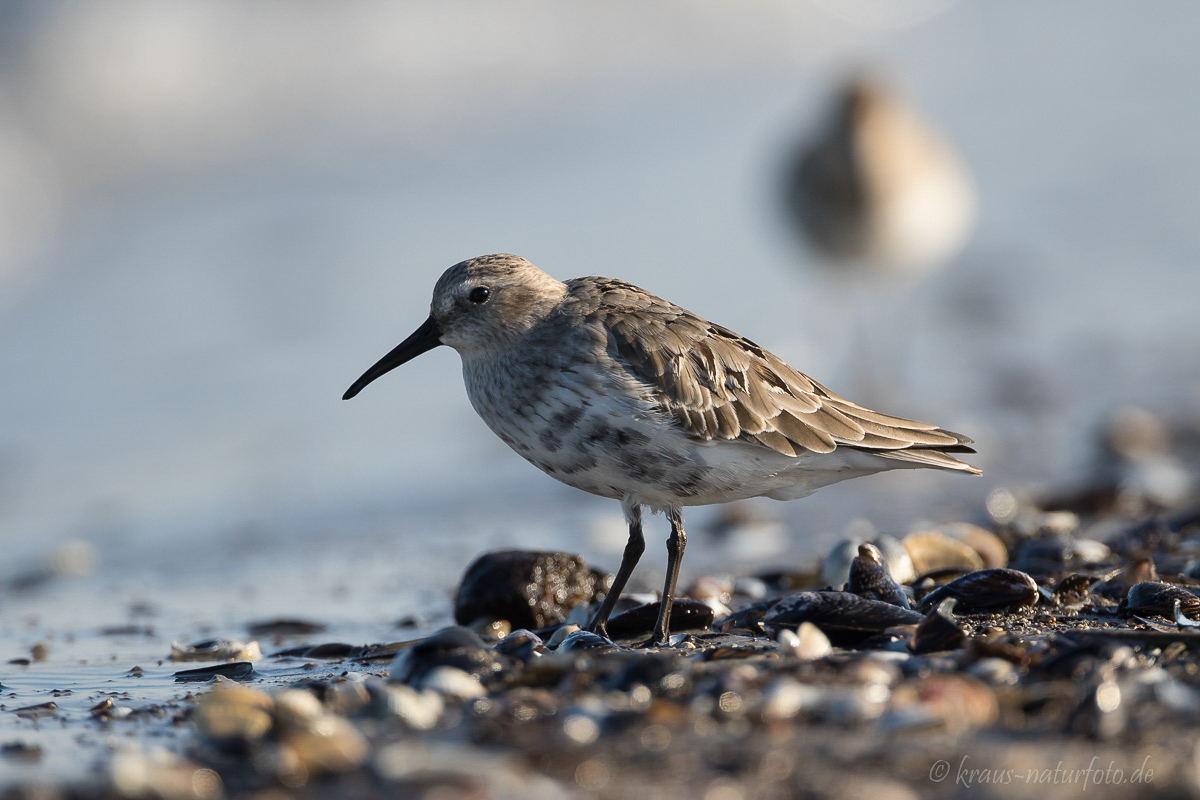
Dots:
pixel 214 215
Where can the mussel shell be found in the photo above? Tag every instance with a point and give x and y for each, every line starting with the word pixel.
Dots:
pixel 989 546
pixel 836 565
pixel 332 650
pixel 869 578
pixel 235 670
pixel 450 647
pixel 938 631
pixel 586 640
pixel 1153 597
pixel 748 618
pixel 987 590
pixel 932 551
pixel 686 615
pixel 835 612
pixel 1045 556
pixel 521 644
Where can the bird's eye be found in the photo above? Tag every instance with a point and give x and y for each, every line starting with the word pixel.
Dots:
pixel 479 294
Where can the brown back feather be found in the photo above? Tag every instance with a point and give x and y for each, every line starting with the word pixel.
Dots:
pixel 719 385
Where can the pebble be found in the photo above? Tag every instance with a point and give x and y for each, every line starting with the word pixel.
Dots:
pixel 529 589
pixel 807 642
pixel 805 693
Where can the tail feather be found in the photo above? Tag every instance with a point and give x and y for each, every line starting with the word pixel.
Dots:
pixel 931 458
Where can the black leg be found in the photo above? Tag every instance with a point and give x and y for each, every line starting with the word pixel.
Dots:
pixel 633 551
pixel 675 545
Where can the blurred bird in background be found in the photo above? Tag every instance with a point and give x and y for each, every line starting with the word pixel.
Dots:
pixel 878 189
pixel 883 201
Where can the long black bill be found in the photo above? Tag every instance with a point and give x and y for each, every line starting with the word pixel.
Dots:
pixel 423 339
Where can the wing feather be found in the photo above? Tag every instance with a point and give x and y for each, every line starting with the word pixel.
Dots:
pixel 718 385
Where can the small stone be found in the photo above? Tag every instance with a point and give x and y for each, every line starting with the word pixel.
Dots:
pixel 161 774
pixel 231 713
pixel 451 683
pixel 329 744
pixel 529 589
pixel 785 698
pixel 807 643
pixel 419 710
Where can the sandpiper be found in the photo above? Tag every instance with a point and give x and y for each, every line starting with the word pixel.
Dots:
pixel 878 188
pixel 620 393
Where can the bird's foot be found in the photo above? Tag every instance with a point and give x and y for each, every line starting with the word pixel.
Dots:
pixel 657 639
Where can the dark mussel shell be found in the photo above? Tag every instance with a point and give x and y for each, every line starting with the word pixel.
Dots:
pixel 1045 556
pixel 869 578
pixel 236 670
pixel 586 640
pixel 842 616
pixel 521 644
pixel 748 618
pixel 987 590
pixel 449 647
pixel 1153 597
pixel 938 631
pixel 686 615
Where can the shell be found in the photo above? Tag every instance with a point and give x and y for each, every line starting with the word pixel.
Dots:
pixel 215 650
pixel 418 710
pixel 956 703
pixel 748 617
pixel 1153 597
pixel 449 647
pixel 586 640
pixel 1090 551
pixel 451 683
pixel 836 566
pixel 932 551
pixel 810 642
pixel 522 644
pixel 835 612
pixel 1047 555
pixel 562 632
pixel 987 590
pixel 686 615
pixel 331 745
pixel 895 555
pixel 938 631
pixel 988 545
pixel 234 671
pixel 869 578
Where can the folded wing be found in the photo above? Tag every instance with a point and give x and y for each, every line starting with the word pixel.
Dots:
pixel 719 385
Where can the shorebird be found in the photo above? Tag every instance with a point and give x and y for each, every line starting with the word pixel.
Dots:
pixel 878 188
pixel 622 394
